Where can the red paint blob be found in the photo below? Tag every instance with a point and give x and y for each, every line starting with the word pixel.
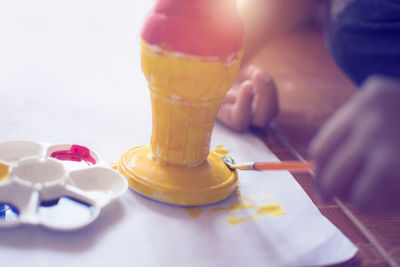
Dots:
pixel 75 153
pixel 196 27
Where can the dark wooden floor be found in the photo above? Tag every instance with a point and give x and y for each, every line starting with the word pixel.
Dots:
pixel 311 88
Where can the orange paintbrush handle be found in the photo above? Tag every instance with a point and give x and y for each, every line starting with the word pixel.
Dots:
pixel 285 165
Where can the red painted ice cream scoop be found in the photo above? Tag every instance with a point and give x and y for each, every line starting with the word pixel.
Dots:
pixel 196 27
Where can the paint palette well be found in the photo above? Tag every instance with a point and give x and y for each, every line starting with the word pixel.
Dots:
pixel 62 187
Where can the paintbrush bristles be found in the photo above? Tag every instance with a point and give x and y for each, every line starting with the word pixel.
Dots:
pixel 243 166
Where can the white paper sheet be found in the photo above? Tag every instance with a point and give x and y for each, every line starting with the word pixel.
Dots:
pixel 70 73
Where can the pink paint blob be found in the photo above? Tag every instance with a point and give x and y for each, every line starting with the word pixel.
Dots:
pixel 75 153
pixel 196 27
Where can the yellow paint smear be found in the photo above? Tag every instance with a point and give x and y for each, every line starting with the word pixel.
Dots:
pixel 194 212
pixel 220 149
pixel 233 212
pixel 271 209
pixel 4 171
pixel 115 165
pixel 267 209
pixel 256 203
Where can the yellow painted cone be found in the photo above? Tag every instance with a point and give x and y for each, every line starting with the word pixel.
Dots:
pixel 186 93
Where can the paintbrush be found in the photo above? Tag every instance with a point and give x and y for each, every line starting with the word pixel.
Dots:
pixel 284 165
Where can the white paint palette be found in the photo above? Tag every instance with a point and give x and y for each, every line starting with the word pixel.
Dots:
pixel 58 186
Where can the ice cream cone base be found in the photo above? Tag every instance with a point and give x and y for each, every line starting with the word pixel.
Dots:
pixel 210 182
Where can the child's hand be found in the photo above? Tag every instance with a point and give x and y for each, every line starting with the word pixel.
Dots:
pixel 252 101
pixel 358 151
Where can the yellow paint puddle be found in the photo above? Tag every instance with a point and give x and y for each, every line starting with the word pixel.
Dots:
pixel 4 171
pixel 194 212
pixel 221 150
pixel 271 209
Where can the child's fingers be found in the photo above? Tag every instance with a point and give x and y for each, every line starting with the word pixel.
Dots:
pixel 339 174
pixel 230 97
pixel 251 101
pixel 237 115
pixel 337 129
pixel 265 103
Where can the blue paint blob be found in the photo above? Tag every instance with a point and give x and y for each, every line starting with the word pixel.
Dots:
pixel 8 212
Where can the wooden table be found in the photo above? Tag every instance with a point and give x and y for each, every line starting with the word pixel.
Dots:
pixel 311 88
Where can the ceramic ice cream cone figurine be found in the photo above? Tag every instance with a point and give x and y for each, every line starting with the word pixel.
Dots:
pixel 191 51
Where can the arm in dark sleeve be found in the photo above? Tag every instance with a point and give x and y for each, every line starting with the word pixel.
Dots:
pixel 364 37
